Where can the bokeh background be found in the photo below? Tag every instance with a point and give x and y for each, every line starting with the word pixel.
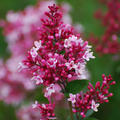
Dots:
pixel 82 13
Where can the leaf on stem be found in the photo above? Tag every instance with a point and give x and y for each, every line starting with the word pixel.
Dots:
pixel 76 86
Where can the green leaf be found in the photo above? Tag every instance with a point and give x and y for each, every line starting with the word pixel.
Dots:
pixel 73 116
pixel 62 52
pixel 61 113
pixel 39 95
pixel 91 119
pixel 76 86
pixel 7 112
pixel 89 113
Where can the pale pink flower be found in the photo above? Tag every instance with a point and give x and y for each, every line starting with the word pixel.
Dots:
pixel 52 62
pixel 72 98
pixel 37 79
pixel 35 105
pixel 33 53
pixel 67 43
pixel 70 65
pixel 88 55
pixel 21 66
pixel 94 106
pixel 79 69
pixel 49 90
pixel 37 44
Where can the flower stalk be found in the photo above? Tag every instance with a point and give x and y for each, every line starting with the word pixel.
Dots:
pixel 71 112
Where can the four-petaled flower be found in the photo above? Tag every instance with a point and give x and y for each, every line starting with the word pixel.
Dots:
pixel 70 65
pixel 35 105
pixel 49 91
pixel 88 55
pixel 33 53
pixel 94 106
pixel 72 98
pixel 37 79
pixel 37 44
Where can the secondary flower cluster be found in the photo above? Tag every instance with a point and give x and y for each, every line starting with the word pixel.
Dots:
pixel 109 42
pixel 46 110
pixel 93 97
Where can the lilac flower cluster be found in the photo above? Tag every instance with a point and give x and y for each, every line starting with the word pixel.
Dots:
pixel 20 31
pixel 46 110
pixel 93 97
pixel 46 60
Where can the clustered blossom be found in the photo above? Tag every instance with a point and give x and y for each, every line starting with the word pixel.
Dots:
pixel 58 49
pixel 46 110
pixel 109 42
pixel 20 31
pixel 93 97
pixel 58 57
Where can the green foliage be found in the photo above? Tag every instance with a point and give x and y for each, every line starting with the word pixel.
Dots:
pixel 89 113
pixel 76 86
pixel 61 113
pixel 73 116
pixel 7 112
pixel 39 95
pixel 14 5
pixel 62 52
pixel 90 119
pixel 4 53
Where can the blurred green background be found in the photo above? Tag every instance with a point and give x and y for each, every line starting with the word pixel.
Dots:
pixel 82 12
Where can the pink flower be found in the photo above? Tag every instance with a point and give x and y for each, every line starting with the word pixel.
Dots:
pixel 49 90
pixel 79 69
pixel 72 98
pixel 21 66
pixel 33 53
pixel 35 105
pixel 94 106
pixel 52 62
pixel 70 65
pixel 38 80
pixel 38 44
pixel 60 56
pixel 88 55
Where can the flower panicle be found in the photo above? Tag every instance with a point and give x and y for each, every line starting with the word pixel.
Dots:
pixel 93 97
